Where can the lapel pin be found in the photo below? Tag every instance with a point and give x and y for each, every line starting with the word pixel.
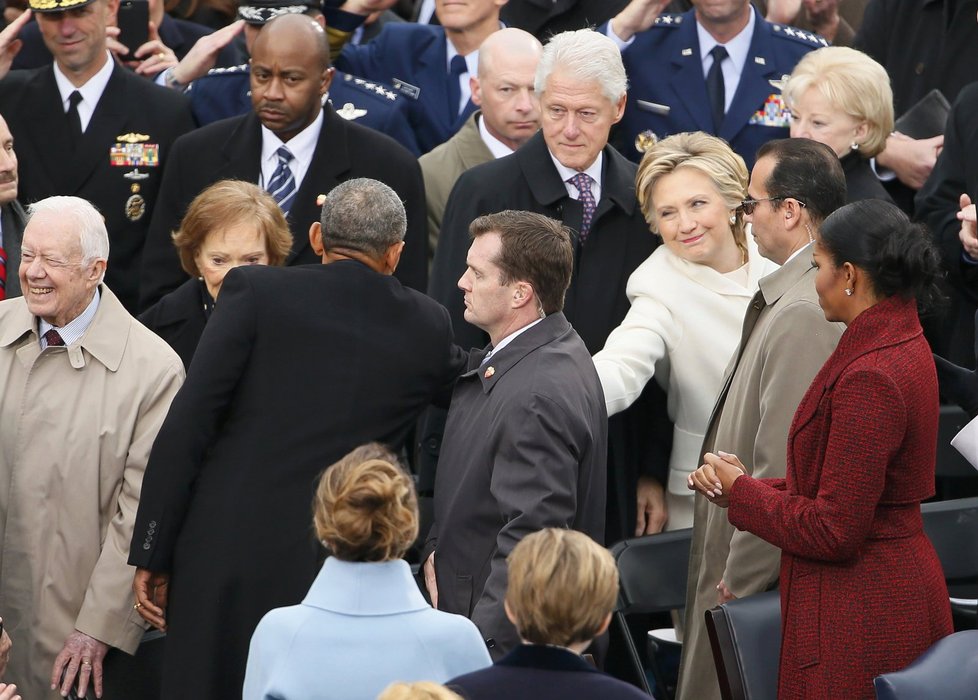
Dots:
pixel 759 60
pixel 490 370
pixel 687 52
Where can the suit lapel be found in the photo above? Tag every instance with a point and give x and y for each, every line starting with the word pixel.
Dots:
pixel 687 74
pixel 242 150
pixel 432 77
pixel 754 86
pixel 106 125
pixel 49 127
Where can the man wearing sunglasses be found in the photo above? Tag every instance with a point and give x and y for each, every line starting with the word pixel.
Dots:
pixel 794 186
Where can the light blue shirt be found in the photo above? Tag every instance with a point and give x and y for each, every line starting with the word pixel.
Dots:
pixel 72 331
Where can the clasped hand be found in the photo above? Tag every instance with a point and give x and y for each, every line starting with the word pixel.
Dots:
pixel 715 478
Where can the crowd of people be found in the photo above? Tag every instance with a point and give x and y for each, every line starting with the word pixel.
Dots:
pixel 295 293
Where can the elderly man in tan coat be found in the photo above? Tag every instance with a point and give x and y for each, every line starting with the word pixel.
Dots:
pixel 785 340
pixel 85 388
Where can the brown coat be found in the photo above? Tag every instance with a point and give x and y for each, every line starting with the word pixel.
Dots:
pixel 785 341
pixel 76 426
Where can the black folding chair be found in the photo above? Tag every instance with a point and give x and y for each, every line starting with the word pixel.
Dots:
pixel 745 636
pixel 948 670
pixel 952 527
pixel 653 571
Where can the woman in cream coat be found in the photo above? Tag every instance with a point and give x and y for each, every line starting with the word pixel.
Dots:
pixel 688 301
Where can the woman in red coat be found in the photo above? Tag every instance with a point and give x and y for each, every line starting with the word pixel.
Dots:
pixel 862 591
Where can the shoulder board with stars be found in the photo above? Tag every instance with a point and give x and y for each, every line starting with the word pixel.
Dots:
pixel 668 20
pixel 231 70
pixel 371 87
pixel 799 35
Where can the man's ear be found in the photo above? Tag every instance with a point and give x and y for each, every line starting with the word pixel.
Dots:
pixel 791 212
pixel 316 238
pixel 393 256
pixel 98 271
pixel 327 80
pixel 523 295
pixel 476 89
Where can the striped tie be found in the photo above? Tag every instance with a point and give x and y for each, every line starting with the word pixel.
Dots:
pixel 3 274
pixel 282 184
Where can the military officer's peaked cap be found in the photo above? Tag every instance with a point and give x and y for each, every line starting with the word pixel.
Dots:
pixel 262 11
pixel 57 5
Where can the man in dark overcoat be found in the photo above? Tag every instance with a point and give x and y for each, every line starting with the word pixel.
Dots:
pixel 525 441
pixel 581 83
pixel 296 367
pixel 324 148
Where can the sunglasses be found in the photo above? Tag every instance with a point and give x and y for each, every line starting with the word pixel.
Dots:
pixel 749 205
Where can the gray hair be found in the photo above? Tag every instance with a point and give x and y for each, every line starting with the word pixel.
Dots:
pixel 587 56
pixel 363 215
pixel 84 217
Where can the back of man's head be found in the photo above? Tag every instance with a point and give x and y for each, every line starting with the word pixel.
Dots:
pixel 535 249
pixel 807 171
pixel 562 587
pixel 363 216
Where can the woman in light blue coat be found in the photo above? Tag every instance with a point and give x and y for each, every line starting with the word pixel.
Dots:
pixel 364 623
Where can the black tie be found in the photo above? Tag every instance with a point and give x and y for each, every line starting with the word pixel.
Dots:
pixel 715 88
pixel 74 121
pixel 458 67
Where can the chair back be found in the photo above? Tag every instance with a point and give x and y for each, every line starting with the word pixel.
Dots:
pixel 948 670
pixel 652 571
pixel 745 635
pixel 952 527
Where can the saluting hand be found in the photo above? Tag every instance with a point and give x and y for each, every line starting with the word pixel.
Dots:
pixel 10 44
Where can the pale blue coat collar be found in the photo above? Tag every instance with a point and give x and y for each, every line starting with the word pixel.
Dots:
pixel 365 588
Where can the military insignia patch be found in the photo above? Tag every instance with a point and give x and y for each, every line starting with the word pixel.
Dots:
pixel 406 89
pixel 349 111
pixel 135 207
pixel 131 154
pixel 773 113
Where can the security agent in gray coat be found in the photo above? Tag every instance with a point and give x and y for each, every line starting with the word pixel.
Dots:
pixel 525 443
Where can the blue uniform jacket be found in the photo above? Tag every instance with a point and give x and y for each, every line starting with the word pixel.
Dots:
pixel 226 92
pixel 412 58
pixel 667 93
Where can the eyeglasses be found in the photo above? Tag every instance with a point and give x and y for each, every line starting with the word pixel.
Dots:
pixel 749 205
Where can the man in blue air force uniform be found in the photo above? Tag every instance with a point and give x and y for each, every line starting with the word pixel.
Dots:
pixel 717 68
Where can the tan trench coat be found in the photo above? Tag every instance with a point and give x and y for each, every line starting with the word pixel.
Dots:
pixel 76 427
pixel 785 341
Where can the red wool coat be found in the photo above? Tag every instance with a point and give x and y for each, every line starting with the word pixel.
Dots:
pixel 862 591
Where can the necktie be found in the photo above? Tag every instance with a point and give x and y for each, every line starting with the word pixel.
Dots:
pixel 582 181
pixel 54 339
pixel 74 121
pixel 458 68
pixel 3 274
pixel 715 88
pixel 282 184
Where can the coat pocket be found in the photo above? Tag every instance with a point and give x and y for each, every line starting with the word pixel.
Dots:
pixel 803 619
pixel 462 599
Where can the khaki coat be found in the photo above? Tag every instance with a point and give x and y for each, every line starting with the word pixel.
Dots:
pixel 441 168
pixel 784 342
pixel 76 427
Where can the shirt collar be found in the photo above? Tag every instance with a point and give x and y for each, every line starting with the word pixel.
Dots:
pixel 302 145
pixel 471 59
pixel 510 338
pixel 92 90
pixel 495 146
pixel 737 48
pixel 72 331
pixel 567 173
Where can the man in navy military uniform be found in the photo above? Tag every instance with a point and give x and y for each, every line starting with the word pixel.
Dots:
pixel 225 92
pixel 717 68
pixel 88 127
pixel 430 65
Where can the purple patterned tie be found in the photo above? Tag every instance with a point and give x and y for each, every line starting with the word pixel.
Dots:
pixel 582 181
pixel 3 273
pixel 54 339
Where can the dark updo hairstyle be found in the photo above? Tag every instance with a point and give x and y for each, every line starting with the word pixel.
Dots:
pixel 365 507
pixel 898 256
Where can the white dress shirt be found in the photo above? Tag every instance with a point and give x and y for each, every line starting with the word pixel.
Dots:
pixel 495 146
pixel 302 146
pixel 594 171
pixel 91 91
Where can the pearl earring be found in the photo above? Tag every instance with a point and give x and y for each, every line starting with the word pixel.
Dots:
pixel 854 146
pixel 733 219
pixel 848 291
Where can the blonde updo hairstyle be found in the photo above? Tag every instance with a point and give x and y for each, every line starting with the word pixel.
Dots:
pixel 420 690
pixel 707 154
pixel 365 508
pixel 853 83
pixel 562 587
